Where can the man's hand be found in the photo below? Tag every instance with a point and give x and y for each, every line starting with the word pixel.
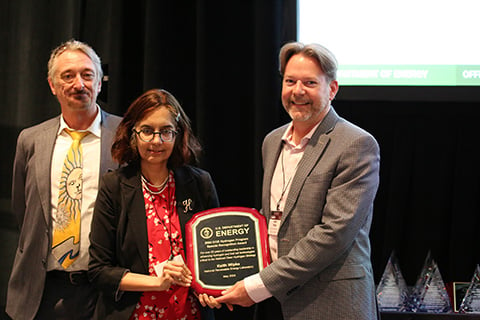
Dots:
pixel 236 295
pixel 206 300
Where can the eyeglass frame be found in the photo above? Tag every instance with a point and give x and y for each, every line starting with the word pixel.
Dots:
pixel 173 132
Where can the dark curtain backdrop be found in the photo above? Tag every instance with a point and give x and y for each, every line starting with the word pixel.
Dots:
pixel 219 58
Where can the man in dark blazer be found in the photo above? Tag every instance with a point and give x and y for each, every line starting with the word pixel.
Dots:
pixel 321 175
pixel 39 287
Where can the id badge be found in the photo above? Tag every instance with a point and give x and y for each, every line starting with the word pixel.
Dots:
pixel 274 223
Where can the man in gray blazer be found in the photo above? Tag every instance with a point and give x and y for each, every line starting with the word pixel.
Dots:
pixel 39 286
pixel 321 175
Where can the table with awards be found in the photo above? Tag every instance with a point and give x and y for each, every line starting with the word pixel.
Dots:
pixel 430 297
pixel 427 316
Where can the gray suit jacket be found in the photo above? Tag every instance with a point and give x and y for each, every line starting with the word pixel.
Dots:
pixel 324 269
pixel 31 206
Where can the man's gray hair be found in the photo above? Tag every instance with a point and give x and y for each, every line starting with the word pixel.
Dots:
pixel 72 45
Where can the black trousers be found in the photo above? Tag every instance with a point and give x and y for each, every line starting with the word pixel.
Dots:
pixel 67 297
pixel 269 309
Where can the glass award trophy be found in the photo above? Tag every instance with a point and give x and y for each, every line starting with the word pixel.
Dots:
pixel 392 291
pixel 471 301
pixel 430 293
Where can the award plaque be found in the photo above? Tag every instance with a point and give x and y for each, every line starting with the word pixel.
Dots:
pixel 457 291
pixel 392 290
pixel 225 245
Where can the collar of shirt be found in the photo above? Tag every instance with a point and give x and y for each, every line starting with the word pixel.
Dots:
pixel 288 137
pixel 94 127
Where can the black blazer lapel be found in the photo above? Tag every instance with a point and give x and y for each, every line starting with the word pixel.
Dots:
pixel 186 198
pixel 132 192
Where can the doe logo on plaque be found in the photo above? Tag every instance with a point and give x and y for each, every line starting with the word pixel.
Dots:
pixel 225 245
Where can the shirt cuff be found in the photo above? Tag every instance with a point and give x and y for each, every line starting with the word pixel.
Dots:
pixel 255 288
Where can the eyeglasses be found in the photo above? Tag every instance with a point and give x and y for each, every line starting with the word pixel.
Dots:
pixel 147 134
pixel 70 77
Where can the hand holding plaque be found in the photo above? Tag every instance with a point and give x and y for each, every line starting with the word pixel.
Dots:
pixel 225 245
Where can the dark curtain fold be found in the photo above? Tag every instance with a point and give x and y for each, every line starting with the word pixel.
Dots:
pixel 220 60
pixel 429 194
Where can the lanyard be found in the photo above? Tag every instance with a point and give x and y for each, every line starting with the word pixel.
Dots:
pixel 285 185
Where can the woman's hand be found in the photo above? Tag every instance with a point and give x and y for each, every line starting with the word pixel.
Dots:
pixel 175 273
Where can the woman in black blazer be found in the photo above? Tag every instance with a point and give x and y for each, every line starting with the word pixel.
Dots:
pixel 138 227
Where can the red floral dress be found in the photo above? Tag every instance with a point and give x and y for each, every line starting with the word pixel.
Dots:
pixel 164 240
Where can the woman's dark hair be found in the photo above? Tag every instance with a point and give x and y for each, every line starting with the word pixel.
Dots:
pixel 187 148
